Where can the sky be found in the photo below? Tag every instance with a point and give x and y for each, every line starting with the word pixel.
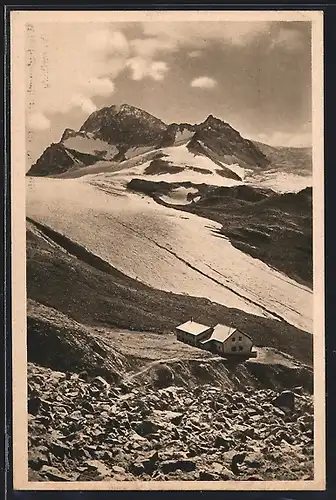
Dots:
pixel 254 75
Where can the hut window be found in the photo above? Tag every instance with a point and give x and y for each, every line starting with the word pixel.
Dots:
pixel 240 347
pixel 233 339
pixel 240 338
pixel 234 348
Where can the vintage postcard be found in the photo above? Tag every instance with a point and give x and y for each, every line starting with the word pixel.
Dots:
pixel 167 236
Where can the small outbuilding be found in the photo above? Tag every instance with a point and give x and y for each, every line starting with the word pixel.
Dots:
pixel 193 333
pixel 228 341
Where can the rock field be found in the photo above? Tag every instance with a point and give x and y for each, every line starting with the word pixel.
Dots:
pixel 84 429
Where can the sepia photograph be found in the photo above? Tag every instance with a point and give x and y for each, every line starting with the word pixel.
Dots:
pixel 167 239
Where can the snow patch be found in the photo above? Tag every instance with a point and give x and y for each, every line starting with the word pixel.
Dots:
pixel 237 169
pixel 179 196
pixel 91 146
pixel 137 151
pixel 181 156
pixel 183 135
pixel 282 182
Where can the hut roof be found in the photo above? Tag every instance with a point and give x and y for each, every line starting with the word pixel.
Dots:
pixel 193 327
pixel 223 332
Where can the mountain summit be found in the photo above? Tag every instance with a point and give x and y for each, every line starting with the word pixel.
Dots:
pixel 124 125
pixel 117 133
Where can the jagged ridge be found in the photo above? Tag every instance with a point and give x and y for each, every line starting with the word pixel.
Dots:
pixel 124 128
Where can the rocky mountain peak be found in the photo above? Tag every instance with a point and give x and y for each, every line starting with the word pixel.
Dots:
pixel 124 125
pixel 68 132
pixel 215 123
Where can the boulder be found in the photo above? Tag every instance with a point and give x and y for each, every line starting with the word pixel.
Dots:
pixel 54 474
pixel 137 468
pixel 222 442
pixel 98 467
pixel 237 459
pixel 286 399
pixel 207 476
pixel 173 465
pixel 254 460
pixel 146 427
pixel 34 405
pixel 101 383
pixel 34 476
pixel 164 376
pixel 37 457
pixel 118 470
pixel 176 419
pixel 76 415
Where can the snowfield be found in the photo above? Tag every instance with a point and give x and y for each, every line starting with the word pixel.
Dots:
pixel 164 248
pixel 140 158
pixel 281 182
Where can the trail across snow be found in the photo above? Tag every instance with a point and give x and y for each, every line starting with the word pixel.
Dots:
pixel 164 248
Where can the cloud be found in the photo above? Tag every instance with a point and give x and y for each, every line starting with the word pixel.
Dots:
pixel 158 70
pixel 288 39
pixel 108 42
pixel 84 103
pixel 172 36
pixel 149 47
pixel 301 138
pixel 199 34
pixel 74 63
pixel 141 68
pixel 203 82
pixel 243 33
pixel 195 53
pixel 100 86
pixel 37 121
pixel 68 68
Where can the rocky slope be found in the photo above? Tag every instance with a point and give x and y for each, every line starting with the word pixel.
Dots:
pixel 59 159
pixel 288 159
pixel 108 405
pixel 124 126
pixel 84 429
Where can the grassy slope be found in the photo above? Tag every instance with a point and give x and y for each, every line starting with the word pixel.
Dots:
pixel 60 343
pixel 105 296
pixel 56 341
